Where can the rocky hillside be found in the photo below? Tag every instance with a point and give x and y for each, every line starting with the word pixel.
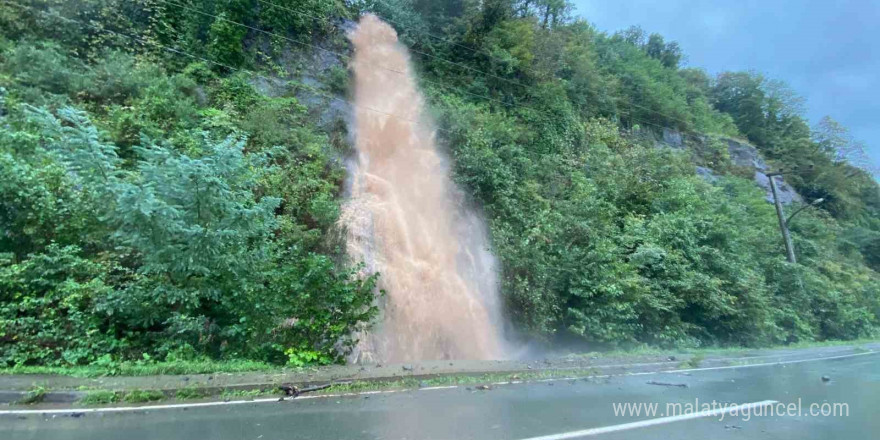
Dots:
pixel 171 176
pixel 742 155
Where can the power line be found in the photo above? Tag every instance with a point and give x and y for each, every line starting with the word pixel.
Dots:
pixel 514 82
pixel 473 50
pixel 350 58
pixel 481 51
pixel 398 23
pixel 517 83
pixel 324 19
pixel 273 34
pixel 341 55
pixel 443 39
pixel 196 57
pixel 253 73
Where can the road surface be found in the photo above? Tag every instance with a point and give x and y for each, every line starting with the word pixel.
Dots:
pixel 558 409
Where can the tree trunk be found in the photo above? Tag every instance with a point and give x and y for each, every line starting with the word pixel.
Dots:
pixel 524 9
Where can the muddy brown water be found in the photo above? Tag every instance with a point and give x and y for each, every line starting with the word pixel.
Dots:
pixel 407 220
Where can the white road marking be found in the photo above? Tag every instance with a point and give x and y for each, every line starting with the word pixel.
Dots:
pixel 181 405
pixel 799 361
pixel 728 367
pixel 654 422
pixel 677 362
pixel 134 408
pixel 320 396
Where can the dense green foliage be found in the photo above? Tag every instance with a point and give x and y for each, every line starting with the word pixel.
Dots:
pixel 156 208
pixel 605 238
pixel 159 203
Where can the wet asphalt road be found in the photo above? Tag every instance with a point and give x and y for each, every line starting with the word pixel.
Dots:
pixel 511 411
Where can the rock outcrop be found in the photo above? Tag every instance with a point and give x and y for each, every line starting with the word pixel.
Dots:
pixel 746 155
pixel 742 155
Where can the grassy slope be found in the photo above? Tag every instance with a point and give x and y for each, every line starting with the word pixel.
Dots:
pixel 244 366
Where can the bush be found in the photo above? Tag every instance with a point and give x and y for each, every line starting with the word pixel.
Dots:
pixel 100 397
pixel 48 309
pixel 616 242
pixel 226 41
pixel 156 207
pixel 189 264
pixel 44 66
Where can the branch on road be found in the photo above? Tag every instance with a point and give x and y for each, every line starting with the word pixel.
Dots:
pixel 293 391
pixel 667 384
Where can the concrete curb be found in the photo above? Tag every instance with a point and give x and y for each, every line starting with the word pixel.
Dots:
pixel 11 397
pixel 207 389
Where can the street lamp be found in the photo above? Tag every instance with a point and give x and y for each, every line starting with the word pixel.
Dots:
pixel 783 222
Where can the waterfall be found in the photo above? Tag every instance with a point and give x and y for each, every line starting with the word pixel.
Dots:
pixel 407 220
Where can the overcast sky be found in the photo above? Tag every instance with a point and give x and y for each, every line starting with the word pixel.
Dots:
pixel 828 51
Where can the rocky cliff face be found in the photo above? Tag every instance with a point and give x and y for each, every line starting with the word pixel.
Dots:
pixel 746 155
pixel 306 72
pixel 308 81
pixel 742 155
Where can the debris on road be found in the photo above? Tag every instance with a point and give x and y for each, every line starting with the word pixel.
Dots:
pixel 826 378
pixel 407 367
pixel 667 384
pixel 289 390
pixel 483 387
pixel 293 391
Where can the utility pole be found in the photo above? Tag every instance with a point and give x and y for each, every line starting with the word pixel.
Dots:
pixel 783 224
